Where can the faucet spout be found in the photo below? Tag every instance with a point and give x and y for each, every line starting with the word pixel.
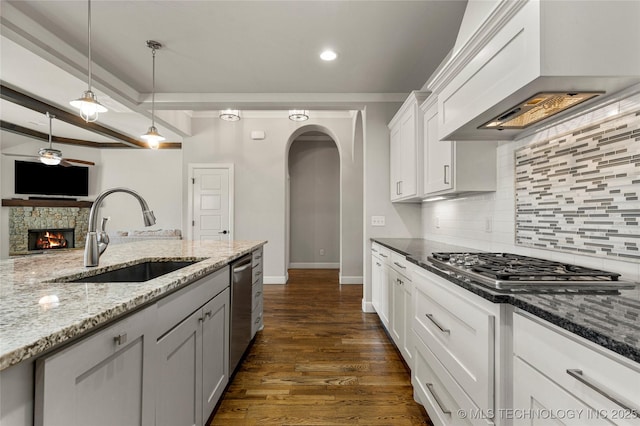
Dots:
pixel 94 248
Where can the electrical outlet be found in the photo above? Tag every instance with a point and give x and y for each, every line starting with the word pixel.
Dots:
pixel 488 225
pixel 321 252
pixel 377 220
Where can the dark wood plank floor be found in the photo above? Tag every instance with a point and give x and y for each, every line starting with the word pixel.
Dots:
pixel 319 361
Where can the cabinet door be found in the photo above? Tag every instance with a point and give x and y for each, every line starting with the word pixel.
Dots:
pixel 438 155
pixel 179 393
pixel 215 351
pixel 407 328
pixel 408 151
pixel 397 310
pixel 376 283
pixel 395 165
pixel 101 380
pixel 385 295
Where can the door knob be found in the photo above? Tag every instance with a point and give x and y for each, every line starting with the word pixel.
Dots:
pixel 223 232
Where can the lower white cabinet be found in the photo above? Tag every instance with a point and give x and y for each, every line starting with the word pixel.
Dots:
pixel 257 320
pixel 104 379
pixel 193 365
pixel 556 372
pixel 167 364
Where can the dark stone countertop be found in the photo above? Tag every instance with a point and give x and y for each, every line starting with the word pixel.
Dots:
pixel 611 321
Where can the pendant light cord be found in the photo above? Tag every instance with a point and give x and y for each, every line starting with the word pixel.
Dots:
pixel 89 41
pixel 50 117
pixel 153 87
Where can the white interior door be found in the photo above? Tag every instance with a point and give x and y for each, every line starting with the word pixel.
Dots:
pixel 211 212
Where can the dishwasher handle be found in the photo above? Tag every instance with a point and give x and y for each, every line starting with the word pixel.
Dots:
pixel 241 265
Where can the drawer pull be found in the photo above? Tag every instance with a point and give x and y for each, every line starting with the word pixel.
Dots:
pixel 437 324
pixel 444 409
pixel 374 250
pixel 258 273
pixel 258 294
pixel 258 257
pixel 120 339
pixel 207 314
pixel 399 265
pixel 383 255
pixel 378 264
pixel 610 395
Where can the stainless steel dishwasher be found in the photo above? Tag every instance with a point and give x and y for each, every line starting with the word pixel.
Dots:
pixel 241 298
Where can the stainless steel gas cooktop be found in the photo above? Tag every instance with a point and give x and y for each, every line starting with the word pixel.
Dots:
pixel 516 273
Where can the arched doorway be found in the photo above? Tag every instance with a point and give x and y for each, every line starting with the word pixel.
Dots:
pixel 313 198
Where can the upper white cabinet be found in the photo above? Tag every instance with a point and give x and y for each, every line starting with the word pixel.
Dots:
pixel 454 167
pixel 406 150
pixel 523 48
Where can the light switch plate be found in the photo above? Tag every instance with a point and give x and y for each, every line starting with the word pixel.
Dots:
pixel 377 220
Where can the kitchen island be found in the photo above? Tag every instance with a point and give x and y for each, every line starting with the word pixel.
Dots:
pixel 41 311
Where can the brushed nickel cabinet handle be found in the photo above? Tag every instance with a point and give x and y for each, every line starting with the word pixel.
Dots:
pixel 446 169
pixel 602 390
pixel 383 255
pixel 207 314
pixel 379 264
pixel 437 324
pixel 120 339
pixel 399 265
pixel 442 407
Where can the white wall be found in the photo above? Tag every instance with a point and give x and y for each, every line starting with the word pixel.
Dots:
pixel 155 174
pixel 403 220
pixel 314 172
pixel 260 180
pixel 462 221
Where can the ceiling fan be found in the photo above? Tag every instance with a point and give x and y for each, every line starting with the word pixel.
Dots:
pixel 51 156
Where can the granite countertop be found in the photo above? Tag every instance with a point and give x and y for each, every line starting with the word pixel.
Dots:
pixel 37 313
pixel 611 321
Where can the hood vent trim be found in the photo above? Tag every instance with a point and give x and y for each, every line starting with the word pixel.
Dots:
pixel 538 107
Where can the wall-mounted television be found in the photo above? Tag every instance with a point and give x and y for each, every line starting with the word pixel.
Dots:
pixel 39 179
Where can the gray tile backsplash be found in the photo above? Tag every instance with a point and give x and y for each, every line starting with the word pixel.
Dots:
pixel 579 192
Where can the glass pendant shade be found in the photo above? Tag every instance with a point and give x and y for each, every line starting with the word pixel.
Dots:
pixel 230 115
pixel 89 106
pixel 298 114
pixel 153 138
pixel 50 156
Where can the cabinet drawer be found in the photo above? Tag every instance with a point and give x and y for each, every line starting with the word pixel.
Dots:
pixel 256 273
pixel 459 333
pixel 174 308
pixel 577 367
pixel 399 263
pixel 257 295
pixel 440 394
pixel 256 257
pixel 381 252
pixel 256 319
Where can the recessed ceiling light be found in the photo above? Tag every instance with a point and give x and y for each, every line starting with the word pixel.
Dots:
pixel 328 55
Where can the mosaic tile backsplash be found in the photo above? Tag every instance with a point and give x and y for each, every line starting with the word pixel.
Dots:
pixel 579 192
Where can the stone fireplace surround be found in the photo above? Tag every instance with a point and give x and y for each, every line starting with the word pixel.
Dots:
pixel 23 218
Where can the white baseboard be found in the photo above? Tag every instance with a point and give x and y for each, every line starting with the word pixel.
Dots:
pixel 310 265
pixel 367 307
pixel 274 280
pixel 350 280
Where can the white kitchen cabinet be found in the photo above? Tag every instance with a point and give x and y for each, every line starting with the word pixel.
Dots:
pixel 405 144
pixel 193 365
pixel 192 350
pixel 380 259
pixel 454 167
pixel 557 370
pixel 104 379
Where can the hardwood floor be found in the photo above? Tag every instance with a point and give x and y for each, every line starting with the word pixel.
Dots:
pixel 319 361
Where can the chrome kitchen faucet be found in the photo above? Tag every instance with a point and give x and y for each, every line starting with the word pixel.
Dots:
pixel 96 243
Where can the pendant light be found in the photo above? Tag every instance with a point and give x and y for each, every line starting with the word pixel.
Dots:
pixel 298 114
pixel 152 137
pixel 230 115
pixel 50 156
pixel 88 103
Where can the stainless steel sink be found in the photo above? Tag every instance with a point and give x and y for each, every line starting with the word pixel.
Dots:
pixel 136 273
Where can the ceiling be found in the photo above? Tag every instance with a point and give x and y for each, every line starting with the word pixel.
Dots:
pixel 216 54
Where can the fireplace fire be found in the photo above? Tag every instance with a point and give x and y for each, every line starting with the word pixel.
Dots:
pixel 51 239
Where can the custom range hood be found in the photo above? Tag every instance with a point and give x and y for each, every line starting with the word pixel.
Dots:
pixel 531 63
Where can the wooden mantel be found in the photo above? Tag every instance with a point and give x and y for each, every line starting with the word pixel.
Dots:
pixel 45 203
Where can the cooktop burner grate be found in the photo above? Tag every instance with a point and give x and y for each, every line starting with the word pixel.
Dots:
pixel 507 269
